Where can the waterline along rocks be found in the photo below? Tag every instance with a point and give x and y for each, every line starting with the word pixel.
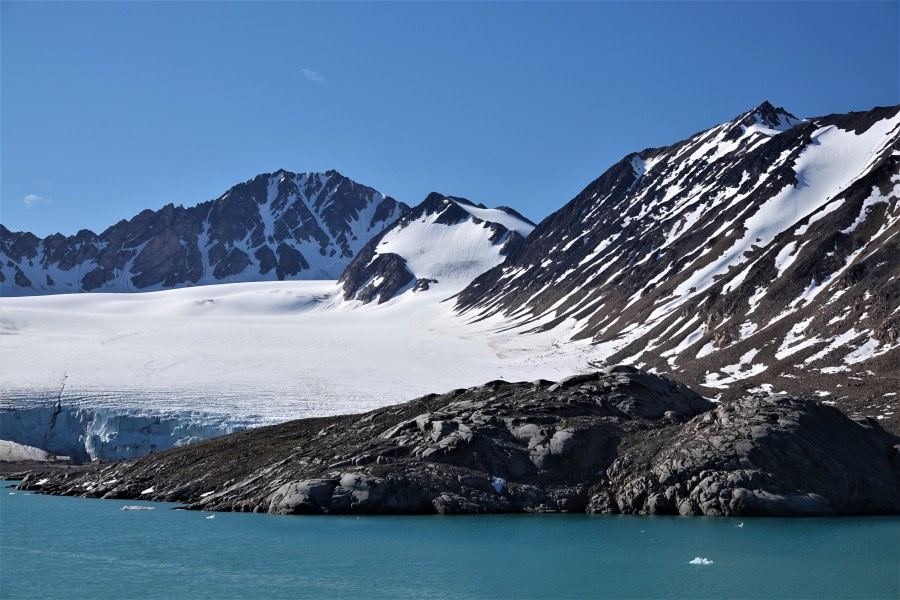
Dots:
pixel 616 441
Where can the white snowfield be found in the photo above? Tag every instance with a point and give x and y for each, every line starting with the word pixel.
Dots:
pixel 256 352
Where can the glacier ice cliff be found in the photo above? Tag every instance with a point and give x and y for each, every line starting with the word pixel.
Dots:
pixel 88 434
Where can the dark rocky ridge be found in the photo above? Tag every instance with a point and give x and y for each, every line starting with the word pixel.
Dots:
pixel 617 441
pixel 275 226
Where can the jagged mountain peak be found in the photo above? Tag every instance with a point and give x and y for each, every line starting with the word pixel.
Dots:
pixel 765 119
pixel 273 226
pixel 767 114
pixel 434 201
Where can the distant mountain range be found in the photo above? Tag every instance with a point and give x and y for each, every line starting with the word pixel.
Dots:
pixel 275 226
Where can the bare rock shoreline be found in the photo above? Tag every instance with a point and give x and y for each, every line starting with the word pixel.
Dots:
pixel 615 441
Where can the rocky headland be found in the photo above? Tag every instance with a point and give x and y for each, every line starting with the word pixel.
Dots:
pixel 615 441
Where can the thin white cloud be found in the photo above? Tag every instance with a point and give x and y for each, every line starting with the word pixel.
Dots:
pixel 313 75
pixel 33 200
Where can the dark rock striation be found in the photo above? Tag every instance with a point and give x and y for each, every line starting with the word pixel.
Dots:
pixel 615 441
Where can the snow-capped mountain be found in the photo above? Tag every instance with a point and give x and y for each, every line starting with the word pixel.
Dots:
pixel 443 243
pixel 762 251
pixel 274 226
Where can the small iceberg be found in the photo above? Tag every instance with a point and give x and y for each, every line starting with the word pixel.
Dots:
pixel 741 525
pixel 211 517
pixel 700 561
pixel 137 508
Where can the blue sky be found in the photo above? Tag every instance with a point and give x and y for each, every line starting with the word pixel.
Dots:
pixel 109 108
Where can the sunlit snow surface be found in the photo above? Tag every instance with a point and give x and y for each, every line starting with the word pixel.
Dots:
pixel 451 255
pixel 270 351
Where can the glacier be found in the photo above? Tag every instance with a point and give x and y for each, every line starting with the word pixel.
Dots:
pixel 87 434
pixel 153 370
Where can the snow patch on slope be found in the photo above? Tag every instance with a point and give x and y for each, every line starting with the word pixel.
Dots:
pixel 834 160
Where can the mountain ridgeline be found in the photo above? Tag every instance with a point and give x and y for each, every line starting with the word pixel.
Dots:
pixel 275 226
pixel 762 252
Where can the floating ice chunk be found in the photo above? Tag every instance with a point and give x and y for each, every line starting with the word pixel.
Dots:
pixel 211 517
pixel 700 561
pixel 137 508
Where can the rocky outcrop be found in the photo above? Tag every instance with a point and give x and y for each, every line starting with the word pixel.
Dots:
pixel 615 441
pixel 763 455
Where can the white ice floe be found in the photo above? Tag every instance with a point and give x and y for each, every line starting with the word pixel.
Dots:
pixel 700 561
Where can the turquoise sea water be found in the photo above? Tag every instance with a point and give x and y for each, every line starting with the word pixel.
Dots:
pixel 53 547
